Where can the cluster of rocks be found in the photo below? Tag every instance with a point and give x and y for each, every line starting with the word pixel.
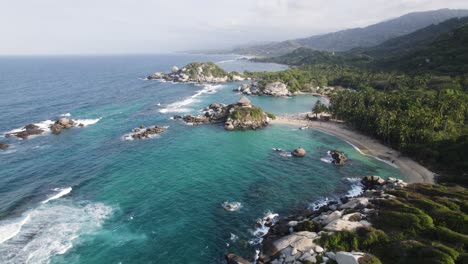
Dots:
pixel 338 157
pixel 295 239
pixel 147 132
pixel 271 89
pixel 222 113
pixel 206 72
pixel 63 123
pixel 57 127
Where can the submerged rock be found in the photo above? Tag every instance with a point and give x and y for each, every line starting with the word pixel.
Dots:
pixel 298 152
pixel 232 206
pixel 4 146
pixel 28 130
pixel 143 132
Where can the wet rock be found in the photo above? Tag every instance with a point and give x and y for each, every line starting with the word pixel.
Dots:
pixel 298 152
pixel 235 259
pixel 142 132
pixel 28 130
pixel 338 157
pixel 370 181
pixel 4 146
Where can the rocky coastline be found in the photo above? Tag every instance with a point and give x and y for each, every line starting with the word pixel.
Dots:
pixel 238 116
pixel 301 238
pixel 200 72
pixel 277 89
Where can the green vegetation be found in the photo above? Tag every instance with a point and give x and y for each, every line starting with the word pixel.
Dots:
pixel 319 107
pixel 424 224
pixel 271 116
pixel 248 113
pixel 208 68
pixel 428 126
pixel 410 92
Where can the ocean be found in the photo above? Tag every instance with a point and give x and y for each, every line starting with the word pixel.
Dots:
pixel 89 195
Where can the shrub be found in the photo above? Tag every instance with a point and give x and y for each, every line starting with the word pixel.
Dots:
pixel 369 259
pixel 272 116
pixel 307 226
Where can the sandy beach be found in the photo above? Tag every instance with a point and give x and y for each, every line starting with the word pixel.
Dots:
pixel 413 171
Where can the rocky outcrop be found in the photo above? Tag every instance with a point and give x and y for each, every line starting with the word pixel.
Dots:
pixel 296 239
pixel 338 157
pixel 4 146
pixel 239 116
pixel 201 72
pixel 298 152
pixel 61 124
pixel 26 131
pixel 147 132
pixel 270 89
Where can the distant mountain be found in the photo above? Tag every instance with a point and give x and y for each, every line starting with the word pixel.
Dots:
pixel 448 54
pixel 438 49
pixel 407 43
pixel 357 37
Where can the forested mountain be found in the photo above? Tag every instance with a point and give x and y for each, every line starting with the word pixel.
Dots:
pixel 357 37
pixel 437 49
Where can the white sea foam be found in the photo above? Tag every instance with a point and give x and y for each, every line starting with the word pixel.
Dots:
pixel 10 229
pixel 181 106
pixel 317 204
pixel 356 187
pixel 377 158
pixel 48 230
pixel 61 192
pixel 263 225
pixel 43 125
pixel 224 61
pixel 232 206
pixel 86 122
pixel 234 238
pixel 46 124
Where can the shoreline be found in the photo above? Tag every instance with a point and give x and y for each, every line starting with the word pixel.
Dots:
pixel 413 171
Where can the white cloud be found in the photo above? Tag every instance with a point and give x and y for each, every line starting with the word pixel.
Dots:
pixel 89 26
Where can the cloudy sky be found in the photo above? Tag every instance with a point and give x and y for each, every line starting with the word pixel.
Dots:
pixel 156 26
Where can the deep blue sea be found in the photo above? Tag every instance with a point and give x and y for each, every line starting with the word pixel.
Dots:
pixel 89 196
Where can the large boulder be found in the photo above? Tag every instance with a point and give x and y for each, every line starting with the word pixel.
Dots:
pixel 276 89
pixel 348 257
pixel 175 69
pixel 299 152
pixel 341 225
pixel 156 76
pixel 370 181
pixel 338 157
pixel 235 259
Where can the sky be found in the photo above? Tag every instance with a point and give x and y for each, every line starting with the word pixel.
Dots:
pixel 156 26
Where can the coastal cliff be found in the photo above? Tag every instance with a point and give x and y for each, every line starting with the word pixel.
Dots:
pixel 389 222
pixel 202 72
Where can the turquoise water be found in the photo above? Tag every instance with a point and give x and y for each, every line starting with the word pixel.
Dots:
pixel 156 200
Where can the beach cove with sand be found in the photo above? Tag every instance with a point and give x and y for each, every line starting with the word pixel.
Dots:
pixel 90 195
